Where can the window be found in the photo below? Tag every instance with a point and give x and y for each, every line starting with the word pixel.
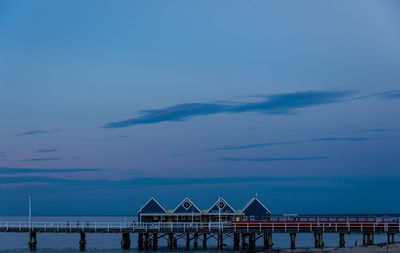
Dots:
pixel 155 218
pixel 186 204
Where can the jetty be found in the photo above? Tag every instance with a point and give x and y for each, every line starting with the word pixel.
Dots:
pixel 220 223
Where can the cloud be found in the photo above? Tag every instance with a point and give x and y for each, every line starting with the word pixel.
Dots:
pixel 393 94
pixel 147 181
pixel 238 159
pixel 76 157
pixel 266 144
pixel 34 132
pixel 14 171
pixel 274 104
pixel 41 159
pixel 46 150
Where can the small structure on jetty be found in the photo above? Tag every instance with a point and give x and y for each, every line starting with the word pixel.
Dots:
pixel 187 211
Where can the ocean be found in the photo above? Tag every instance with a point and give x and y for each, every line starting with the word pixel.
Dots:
pixel 65 242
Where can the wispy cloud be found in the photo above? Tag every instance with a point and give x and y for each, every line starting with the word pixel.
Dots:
pixel 46 150
pixel 13 171
pixel 274 104
pixel 393 94
pixel 41 159
pixel 266 144
pixel 270 159
pixel 148 181
pixel 34 132
pixel 76 157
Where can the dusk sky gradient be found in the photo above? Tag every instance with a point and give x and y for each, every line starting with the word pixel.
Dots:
pixel 104 104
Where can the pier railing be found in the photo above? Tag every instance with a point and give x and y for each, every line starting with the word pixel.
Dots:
pixel 193 226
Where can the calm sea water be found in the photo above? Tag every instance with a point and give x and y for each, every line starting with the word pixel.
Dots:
pixel 52 242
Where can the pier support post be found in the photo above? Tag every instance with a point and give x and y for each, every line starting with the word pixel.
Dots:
pixel 341 240
pixel 219 240
pixel 196 240
pixel 252 240
pixel 205 241
pixel 140 240
pixel 187 240
pixel 319 243
pixel 268 241
pixel 372 239
pixel 364 240
pixel 175 243
pixel 82 242
pixel 125 241
pixel 32 240
pixel 146 241
pixel 170 241
pixel 392 238
pixel 244 244
pixel 155 241
pixel 236 241
pixel 293 241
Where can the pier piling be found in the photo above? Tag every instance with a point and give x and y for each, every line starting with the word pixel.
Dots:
pixel 187 240
pixel 268 241
pixel 82 242
pixel 341 240
pixel 319 243
pixel 32 240
pixel 125 241
pixel 364 240
pixel 205 241
pixel 155 241
pixel 196 240
pixel 293 241
pixel 236 241
pixel 140 241
pixel 170 241
pixel 252 240
pixel 244 244
pixel 220 240
pixel 146 241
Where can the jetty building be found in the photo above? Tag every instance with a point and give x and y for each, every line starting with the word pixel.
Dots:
pixel 187 211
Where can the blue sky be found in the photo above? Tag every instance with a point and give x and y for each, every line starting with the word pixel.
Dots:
pixel 103 103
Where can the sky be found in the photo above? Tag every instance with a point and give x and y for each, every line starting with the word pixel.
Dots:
pixel 105 104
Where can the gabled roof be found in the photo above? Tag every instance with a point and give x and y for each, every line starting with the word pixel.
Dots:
pixel 255 208
pixel 186 206
pixel 224 208
pixel 152 206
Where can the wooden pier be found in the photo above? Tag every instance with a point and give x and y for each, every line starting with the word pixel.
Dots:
pixel 198 233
